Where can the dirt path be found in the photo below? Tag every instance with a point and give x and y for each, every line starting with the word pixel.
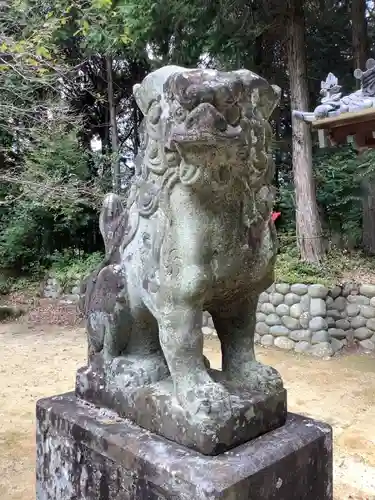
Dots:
pixel 38 362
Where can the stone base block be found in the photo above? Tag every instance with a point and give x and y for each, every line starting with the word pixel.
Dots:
pixel 154 407
pixel 85 453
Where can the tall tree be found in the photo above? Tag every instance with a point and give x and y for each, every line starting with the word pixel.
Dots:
pixel 308 226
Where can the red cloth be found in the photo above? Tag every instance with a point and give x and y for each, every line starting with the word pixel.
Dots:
pixel 275 215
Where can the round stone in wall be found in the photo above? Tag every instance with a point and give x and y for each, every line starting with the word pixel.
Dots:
pixel 284 343
pixel 333 313
pixel 339 304
pixel 302 347
pixel 305 303
pixel 322 350
pixel 337 333
pixel 336 291
pixel 282 310
pixel 372 302
pixel 262 328
pixel 257 338
pixel 370 323
pixel 291 298
pixel 296 311
pixel 279 331
pixel 317 323
pixel 320 336
pixel 368 312
pixel 282 288
pixel 336 344
pixel 352 309
pixel 317 307
pixel 367 290
pixel 273 319
pixel 367 345
pixel 299 289
pixel 263 297
pixel 348 288
pixel 358 299
pixel 276 298
pixel 260 317
pixel 358 322
pixel 267 340
pixel 329 301
pixel 291 323
pixel 343 324
pixel 318 291
pixel 362 333
pixel 267 308
pixel 300 335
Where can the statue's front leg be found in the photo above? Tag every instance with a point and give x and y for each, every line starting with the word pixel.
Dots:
pixel 235 326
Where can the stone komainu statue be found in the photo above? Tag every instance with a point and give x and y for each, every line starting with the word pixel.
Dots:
pixel 196 235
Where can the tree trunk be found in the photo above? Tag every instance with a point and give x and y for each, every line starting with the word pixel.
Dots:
pixel 308 227
pixel 359 34
pixel 116 174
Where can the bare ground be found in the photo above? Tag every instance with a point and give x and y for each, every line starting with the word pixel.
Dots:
pixel 38 361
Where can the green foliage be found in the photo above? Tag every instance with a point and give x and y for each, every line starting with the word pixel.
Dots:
pixel 68 267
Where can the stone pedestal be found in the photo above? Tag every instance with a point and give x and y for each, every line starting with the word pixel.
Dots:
pixel 86 453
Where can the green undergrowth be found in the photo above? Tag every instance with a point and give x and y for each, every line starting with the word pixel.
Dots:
pixel 338 266
pixel 68 269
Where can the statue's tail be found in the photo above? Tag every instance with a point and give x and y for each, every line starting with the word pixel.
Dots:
pixel 112 209
pixel 303 115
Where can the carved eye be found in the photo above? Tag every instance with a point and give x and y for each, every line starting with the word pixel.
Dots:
pixel 180 114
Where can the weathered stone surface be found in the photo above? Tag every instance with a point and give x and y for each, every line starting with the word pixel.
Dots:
pixel 291 298
pixel 279 331
pixel 291 323
pixel 368 312
pixel 300 335
pixel 263 297
pixel 273 319
pixel 284 343
pixel 302 347
pixel 320 336
pixel 87 454
pixel 372 302
pixel 299 289
pixel 196 175
pixel 296 310
pixel 304 320
pixel 260 317
pixel 276 298
pixel 318 291
pixel 282 288
pixel 267 340
pixel 336 344
pixel 339 304
pixel 317 323
pixel 367 290
pixel 352 310
pixel 262 328
pixel 363 333
pixel 370 323
pixel 329 301
pixel 367 345
pixel 257 338
pixel 358 322
pixel 322 350
pixel 336 291
pixel 337 333
pixel 343 324
pixel 317 307
pixel 358 299
pixel 282 310
pixel 155 407
pixel 267 308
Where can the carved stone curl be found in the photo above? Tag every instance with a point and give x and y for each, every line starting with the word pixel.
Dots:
pixel 196 235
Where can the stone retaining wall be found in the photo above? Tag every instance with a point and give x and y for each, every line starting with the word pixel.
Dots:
pixel 314 319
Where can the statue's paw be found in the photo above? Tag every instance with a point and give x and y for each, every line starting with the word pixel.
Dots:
pixel 259 377
pixel 209 398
